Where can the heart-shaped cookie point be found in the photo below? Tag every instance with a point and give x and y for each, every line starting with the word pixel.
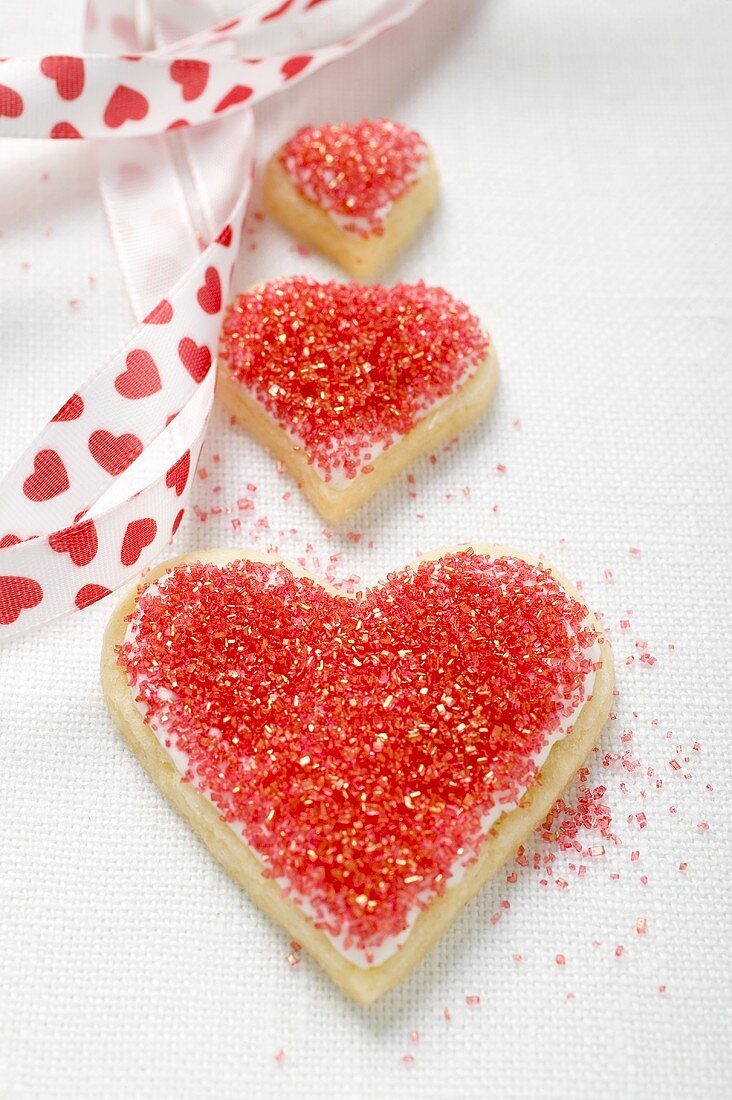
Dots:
pixel 356 192
pixel 348 384
pixel 361 765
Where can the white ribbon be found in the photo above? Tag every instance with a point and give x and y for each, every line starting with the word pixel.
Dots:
pixel 175 198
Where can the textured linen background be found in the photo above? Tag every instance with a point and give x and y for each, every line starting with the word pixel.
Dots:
pixel 586 157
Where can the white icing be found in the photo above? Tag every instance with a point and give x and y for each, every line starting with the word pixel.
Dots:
pixel 376 955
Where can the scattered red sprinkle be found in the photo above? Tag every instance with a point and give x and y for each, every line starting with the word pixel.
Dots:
pixel 472 1000
pixel 565 822
pixel 355 173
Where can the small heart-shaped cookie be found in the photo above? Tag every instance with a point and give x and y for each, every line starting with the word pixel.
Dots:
pixel 357 193
pixel 348 384
pixel 360 765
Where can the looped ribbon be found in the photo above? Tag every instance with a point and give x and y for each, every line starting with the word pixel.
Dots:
pixel 105 484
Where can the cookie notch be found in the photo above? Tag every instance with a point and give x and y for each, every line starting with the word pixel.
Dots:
pixel 513 829
pixel 362 257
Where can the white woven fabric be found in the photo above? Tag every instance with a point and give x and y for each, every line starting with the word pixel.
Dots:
pixel 586 161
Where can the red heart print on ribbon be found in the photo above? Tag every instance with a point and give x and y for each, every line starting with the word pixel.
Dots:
pixel 191 75
pixel 209 295
pixel 195 359
pixel 162 314
pixel 125 105
pixel 295 65
pixel 11 104
pixel 17 594
pixel 240 93
pixel 177 476
pixel 71 409
pixel 114 453
pixel 139 534
pixel 65 131
pixel 49 477
pixel 140 378
pixel 79 542
pixel 68 72
pixel 89 594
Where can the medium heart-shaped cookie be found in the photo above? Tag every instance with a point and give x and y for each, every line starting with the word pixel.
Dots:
pixel 360 765
pixel 356 192
pixel 348 384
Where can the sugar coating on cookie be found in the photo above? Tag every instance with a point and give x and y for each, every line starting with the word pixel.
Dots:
pixel 355 173
pixel 345 370
pixel 361 747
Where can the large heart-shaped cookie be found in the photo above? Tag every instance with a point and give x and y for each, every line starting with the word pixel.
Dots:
pixel 361 765
pixel 348 384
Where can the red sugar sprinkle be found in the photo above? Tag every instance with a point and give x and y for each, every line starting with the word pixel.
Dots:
pixel 359 742
pixel 565 822
pixel 472 1000
pixel 355 172
pixel 345 368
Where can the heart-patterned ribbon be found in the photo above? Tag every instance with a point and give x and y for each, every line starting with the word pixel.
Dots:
pixel 175 189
